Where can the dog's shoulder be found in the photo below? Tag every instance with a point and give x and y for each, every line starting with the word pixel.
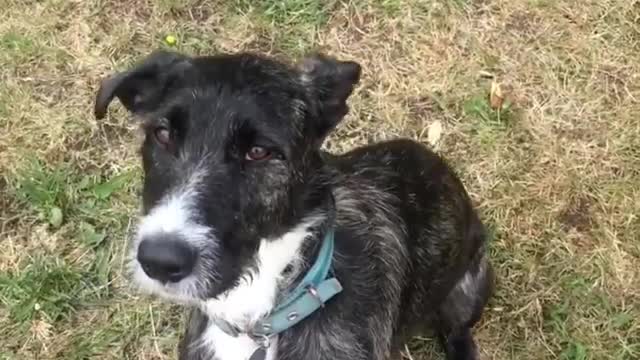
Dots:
pixel 392 170
pixel 388 158
pixel 400 189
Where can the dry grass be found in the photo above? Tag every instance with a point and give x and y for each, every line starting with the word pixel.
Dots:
pixel 557 177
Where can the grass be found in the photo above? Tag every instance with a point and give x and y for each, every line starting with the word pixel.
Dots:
pixel 555 170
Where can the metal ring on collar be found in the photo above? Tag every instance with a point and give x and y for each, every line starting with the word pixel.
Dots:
pixel 263 341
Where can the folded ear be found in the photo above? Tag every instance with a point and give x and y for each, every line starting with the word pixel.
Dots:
pixel 330 82
pixel 142 88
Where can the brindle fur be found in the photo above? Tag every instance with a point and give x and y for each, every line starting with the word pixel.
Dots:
pixel 410 248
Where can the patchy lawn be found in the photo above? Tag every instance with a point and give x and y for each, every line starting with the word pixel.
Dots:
pixel 555 170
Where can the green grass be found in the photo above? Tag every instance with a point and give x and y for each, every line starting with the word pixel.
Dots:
pixel 291 25
pixel 289 12
pixel 46 287
pixel 54 193
pixel 17 47
pixel 57 281
pixel 478 109
pixel 554 172
pixel 45 190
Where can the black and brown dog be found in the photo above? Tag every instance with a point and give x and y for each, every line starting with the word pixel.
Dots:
pixel 281 250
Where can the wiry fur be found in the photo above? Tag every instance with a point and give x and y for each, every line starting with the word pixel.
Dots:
pixel 409 247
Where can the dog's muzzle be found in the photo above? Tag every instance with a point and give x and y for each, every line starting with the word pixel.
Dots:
pixel 166 258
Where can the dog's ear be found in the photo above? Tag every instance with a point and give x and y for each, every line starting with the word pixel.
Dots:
pixel 142 88
pixel 330 81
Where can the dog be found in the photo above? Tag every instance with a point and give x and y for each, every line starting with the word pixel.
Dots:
pixel 279 249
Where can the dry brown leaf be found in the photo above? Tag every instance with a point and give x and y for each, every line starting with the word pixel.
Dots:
pixel 434 132
pixel 496 96
pixel 486 74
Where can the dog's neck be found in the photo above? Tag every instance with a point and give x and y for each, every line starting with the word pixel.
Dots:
pixel 280 264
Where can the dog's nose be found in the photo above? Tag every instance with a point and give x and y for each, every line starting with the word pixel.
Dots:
pixel 166 259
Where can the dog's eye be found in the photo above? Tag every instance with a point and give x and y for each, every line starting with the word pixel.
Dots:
pixel 258 153
pixel 163 135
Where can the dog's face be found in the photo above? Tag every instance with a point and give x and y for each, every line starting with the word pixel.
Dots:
pixel 230 151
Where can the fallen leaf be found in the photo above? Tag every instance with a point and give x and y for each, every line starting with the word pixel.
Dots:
pixel 434 132
pixel 496 96
pixel 485 74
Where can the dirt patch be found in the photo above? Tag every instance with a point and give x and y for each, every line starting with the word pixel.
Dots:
pixel 521 22
pixel 577 215
pixel 421 111
pixel 424 107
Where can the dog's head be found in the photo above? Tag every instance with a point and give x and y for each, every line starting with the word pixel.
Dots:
pixel 230 157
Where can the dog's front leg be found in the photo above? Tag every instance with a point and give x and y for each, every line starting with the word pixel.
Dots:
pixel 189 348
pixel 329 339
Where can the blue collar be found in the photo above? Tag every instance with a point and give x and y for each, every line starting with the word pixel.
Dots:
pixel 309 295
pixel 313 291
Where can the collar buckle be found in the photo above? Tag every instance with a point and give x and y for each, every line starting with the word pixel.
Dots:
pixel 314 294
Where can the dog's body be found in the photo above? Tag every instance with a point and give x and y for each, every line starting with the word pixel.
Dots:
pixel 409 247
pixel 406 239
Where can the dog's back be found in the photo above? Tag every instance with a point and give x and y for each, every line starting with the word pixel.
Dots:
pixel 409 250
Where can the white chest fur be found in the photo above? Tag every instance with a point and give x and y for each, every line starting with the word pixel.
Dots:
pixel 227 347
pixel 254 297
